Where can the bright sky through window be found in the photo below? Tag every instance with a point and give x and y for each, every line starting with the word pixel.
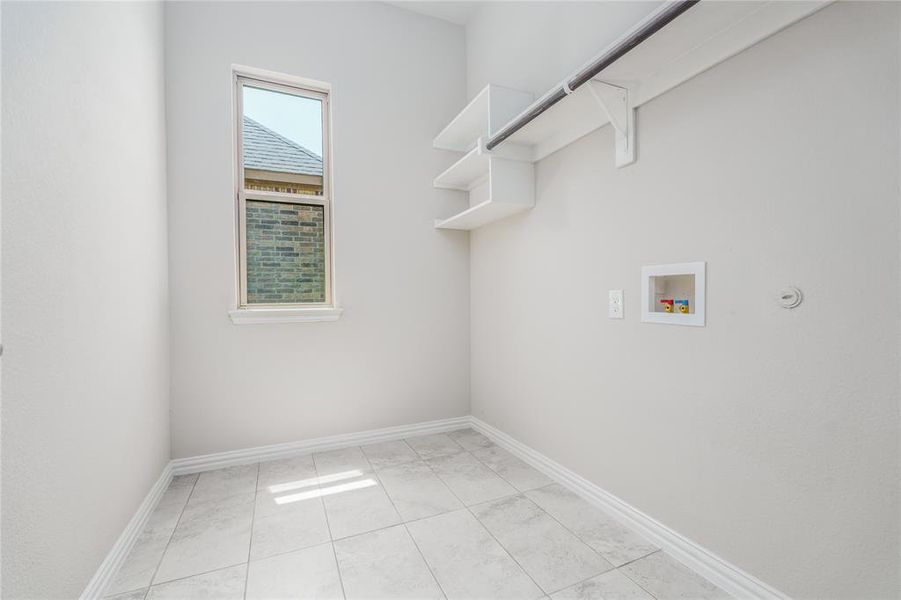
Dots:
pixel 298 119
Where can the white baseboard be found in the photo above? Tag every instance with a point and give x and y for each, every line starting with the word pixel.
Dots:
pixel 110 565
pixel 207 462
pixel 181 466
pixel 725 575
pixel 720 572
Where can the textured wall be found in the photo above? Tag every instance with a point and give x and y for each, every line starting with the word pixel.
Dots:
pixel 771 435
pixel 85 365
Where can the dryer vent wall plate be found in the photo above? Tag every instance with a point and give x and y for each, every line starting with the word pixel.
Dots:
pixel 790 297
pixel 674 294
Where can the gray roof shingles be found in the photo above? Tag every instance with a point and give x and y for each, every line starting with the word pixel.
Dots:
pixel 266 150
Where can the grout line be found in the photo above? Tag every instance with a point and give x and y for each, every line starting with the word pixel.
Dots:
pixel 402 441
pixel 168 581
pixel 425 562
pixel 579 537
pixel 604 573
pixel 366 458
pixel 482 525
pixel 253 515
pixel 247 571
pixel 522 493
pixel 498 473
pixel 328 525
pixel 626 575
pixel 291 551
pixel 580 582
pixel 634 560
pixel 374 472
pixel 401 522
pixel 495 471
pixel 410 535
pixel 561 523
pixel 172 535
pixel 174 529
pixel 337 568
pixel 334 539
pixel 317 486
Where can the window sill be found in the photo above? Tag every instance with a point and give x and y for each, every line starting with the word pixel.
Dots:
pixel 251 316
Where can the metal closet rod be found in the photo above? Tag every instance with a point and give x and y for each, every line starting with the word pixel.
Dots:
pixel 619 49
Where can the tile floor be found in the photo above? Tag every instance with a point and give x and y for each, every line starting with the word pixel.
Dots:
pixel 437 516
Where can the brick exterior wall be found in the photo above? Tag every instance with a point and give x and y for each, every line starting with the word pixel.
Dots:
pixel 285 253
pixel 283 186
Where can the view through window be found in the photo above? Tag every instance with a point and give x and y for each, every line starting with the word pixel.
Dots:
pixel 284 203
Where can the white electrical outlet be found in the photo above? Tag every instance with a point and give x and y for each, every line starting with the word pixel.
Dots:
pixel 615 305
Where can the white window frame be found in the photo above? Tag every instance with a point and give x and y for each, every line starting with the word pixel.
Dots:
pixel 244 313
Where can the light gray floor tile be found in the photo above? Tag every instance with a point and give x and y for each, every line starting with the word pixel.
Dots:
pixel 166 514
pixel 295 473
pixel 358 505
pixel 470 439
pixel 668 579
pixel 287 521
pixel 306 574
pixel 345 462
pixel 178 491
pixel 138 568
pixel 552 555
pixel 182 481
pixel 164 518
pixel 225 584
pixel 432 446
pixel 611 585
pixel 222 483
pixel 467 562
pixel 416 491
pixel 469 479
pixel 211 535
pixel 292 557
pixel 389 454
pixel 384 564
pixel 135 595
pixel 514 471
pixel 613 540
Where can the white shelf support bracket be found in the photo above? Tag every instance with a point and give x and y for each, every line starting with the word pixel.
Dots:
pixel 616 102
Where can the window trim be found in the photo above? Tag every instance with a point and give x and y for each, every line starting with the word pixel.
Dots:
pixel 243 312
pixel 253 316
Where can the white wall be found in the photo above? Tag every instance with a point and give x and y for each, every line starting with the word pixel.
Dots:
pixel 400 353
pixel 770 436
pixel 532 46
pixel 85 364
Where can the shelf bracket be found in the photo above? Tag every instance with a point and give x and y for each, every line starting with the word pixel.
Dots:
pixel 616 102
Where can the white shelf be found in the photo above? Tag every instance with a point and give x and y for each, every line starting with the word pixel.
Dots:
pixel 466 173
pixel 498 183
pixel 704 36
pixel 480 214
pixel 471 171
pixel 482 117
pixel 508 186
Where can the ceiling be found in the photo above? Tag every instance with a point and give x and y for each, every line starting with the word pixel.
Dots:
pixel 455 12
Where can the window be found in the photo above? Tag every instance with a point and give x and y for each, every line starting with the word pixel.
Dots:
pixel 283 198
